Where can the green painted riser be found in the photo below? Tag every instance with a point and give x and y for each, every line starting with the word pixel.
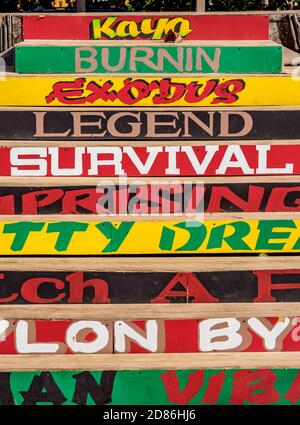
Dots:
pixel 61 59
pixel 152 387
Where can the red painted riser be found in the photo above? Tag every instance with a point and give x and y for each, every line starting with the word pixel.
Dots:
pixel 277 158
pixel 181 336
pixel 218 27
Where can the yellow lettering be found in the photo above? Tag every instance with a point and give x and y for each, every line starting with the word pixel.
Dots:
pixel 146 27
pixel 104 28
pixel 127 28
pixel 160 28
pixel 184 26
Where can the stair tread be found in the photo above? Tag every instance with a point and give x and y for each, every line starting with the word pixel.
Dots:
pixel 106 43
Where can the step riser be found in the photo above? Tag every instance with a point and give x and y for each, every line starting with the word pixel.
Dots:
pixel 129 27
pixel 149 91
pixel 151 387
pixel 29 287
pixel 172 59
pixel 202 236
pixel 156 161
pixel 135 198
pixel 169 126
pixel 68 337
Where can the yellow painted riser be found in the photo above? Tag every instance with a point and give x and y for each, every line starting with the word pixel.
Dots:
pixel 144 238
pixel 261 91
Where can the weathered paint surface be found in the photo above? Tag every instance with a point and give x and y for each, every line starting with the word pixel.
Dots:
pixel 148 237
pixel 68 337
pixel 76 287
pixel 146 27
pixel 137 199
pixel 149 125
pixel 146 91
pixel 145 60
pixel 183 387
pixel 135 161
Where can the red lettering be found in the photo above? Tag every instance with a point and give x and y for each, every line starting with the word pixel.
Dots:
pixel 193 386
pixel 32 201
pixel 68 92
pixel 193 96
pixel 265 285
pixel 256 387
pixel 139 199
pixel 166 198
pixel 30 288
pixel 192 289
pixel 214 388
pixel 179 278
pixel 100 92
pixel 7 204
pixel 128 97
pixel 226 91
pixel 218 193
pixel 196 201
pixel 77 286
pixel 72 92
pixel 293 393
pixel 86 199
pixel 168 92
pixel 277 197
pixel 10 299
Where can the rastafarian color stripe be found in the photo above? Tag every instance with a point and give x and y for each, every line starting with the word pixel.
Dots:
pixel 140 59
pixel 69 90
pixel 142 198
pixel 150 125
pixel 151 387
pixel 148 237
pixel 149 336
pixel 158 161
pixel 96 287
pixel 145 27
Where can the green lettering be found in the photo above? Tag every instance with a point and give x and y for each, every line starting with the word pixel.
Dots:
pixel 266 233
pixel 116 235
pixel 66 231
pixel 22 230
pixel 197 233
pixel 297 244
pixel 166 239
pixel 235 240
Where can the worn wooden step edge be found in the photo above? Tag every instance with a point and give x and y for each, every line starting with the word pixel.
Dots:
pixel 153 218
pixel 287 73
pixel 170 361
pixel 265 13
pixel 139 14
pixel 166 108
pixel 153 264
pixel 141 143
pixel 142 43
pixel 112 312
pixel 95 181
